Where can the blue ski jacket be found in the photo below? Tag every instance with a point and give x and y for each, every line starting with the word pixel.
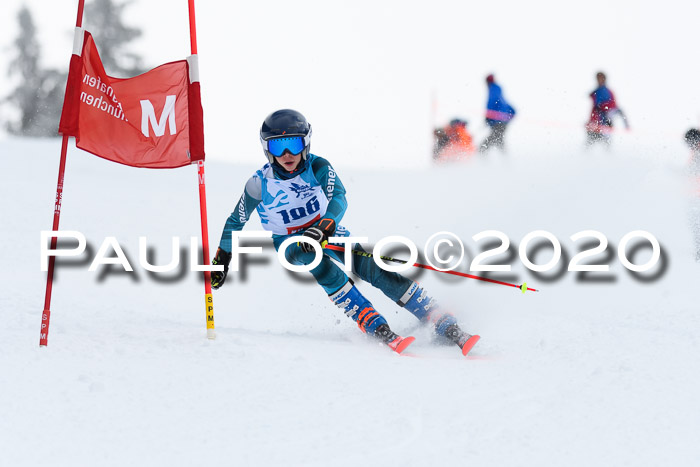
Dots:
pixel 498 110
pixel 315 171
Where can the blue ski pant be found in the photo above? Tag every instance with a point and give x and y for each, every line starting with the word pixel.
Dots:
pixel 332 278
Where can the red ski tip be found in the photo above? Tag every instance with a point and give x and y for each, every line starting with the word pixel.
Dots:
pixel 400 343
pixel 471 342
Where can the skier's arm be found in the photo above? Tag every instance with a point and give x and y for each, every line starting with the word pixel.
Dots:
pixel 622 115
pixel 246 205
pixel 249 200
pixel 332 187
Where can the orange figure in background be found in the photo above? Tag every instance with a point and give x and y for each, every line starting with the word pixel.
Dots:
pixel 453 142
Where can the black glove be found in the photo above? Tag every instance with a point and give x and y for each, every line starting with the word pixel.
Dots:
pixel 218 277
pixel 320 233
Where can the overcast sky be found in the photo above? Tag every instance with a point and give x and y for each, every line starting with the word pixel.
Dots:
pixel 374 77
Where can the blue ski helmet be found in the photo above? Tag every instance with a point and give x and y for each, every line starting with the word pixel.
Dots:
pixel 285 126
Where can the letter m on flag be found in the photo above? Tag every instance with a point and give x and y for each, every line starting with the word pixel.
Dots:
pixel 153 120
pixel 148 114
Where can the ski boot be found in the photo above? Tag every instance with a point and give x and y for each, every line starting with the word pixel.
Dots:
pixel 423 307
pixel 357 307
pixel 397 343
pixel 464 340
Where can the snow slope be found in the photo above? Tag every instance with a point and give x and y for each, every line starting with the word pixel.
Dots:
pixel 596 370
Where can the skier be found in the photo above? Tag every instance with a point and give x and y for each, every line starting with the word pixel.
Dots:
pixel 599 126
pixel 692 139
pixel 299 193
pixel 498 114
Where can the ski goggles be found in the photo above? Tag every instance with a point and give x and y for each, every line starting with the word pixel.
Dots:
pixel 277 146
pixel 295 144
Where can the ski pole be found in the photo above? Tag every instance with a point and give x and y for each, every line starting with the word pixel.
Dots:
pixel 523 287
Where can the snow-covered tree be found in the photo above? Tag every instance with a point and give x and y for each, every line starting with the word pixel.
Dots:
pixel 103 18
pixel 38 96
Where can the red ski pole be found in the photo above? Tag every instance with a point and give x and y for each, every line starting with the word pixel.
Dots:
pixel 523 287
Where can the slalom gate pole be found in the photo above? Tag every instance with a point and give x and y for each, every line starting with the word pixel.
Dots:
pixel 46 314
pixel 208 299
pixel 523 287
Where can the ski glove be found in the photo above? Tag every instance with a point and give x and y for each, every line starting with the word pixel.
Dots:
pixel 218 277
pixel 320 233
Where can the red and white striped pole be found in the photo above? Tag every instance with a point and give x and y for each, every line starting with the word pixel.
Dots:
pixel 208 300
pixel 46 314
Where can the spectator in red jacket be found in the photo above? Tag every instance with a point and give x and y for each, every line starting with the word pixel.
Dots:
pixel 600 124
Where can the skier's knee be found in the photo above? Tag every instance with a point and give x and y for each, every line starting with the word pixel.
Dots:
pixel 296 256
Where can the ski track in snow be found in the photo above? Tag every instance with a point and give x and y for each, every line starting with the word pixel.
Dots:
pixel 579 373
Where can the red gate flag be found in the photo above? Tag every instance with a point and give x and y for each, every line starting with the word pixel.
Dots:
pixel 153 120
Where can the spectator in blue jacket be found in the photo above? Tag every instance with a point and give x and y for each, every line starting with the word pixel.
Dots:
pixel 498 114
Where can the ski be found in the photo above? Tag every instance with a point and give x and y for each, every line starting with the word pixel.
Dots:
pixel 469 344
pixel 400 344
pixel 466 344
